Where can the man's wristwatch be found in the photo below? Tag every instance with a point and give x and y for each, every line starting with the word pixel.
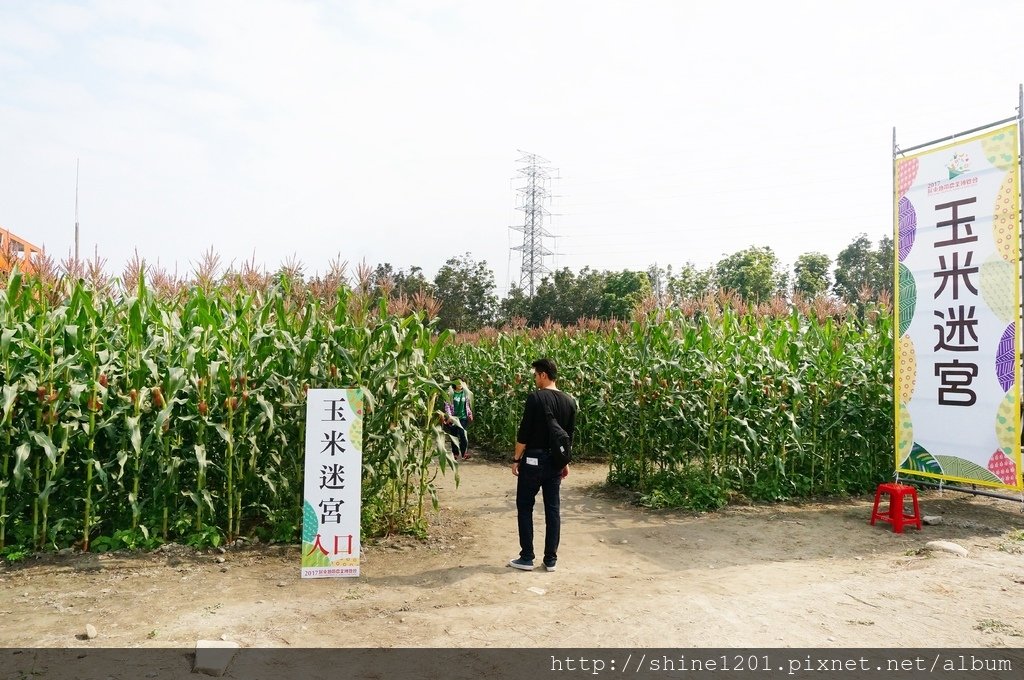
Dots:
pixel 516 460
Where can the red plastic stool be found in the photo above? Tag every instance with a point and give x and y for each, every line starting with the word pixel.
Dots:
pixel 895 515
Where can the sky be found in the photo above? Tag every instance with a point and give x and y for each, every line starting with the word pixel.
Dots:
pixel 383 131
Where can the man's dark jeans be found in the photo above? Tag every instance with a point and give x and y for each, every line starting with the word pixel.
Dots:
pixel 548 480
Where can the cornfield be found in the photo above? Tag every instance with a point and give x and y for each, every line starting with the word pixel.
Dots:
pixel 139 414
pixel 691 407
pixel 154 411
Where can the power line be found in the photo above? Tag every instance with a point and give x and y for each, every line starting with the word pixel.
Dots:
pixel 724 223
pixel 701 192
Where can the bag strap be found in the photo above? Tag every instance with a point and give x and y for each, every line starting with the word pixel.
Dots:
pixel 546 403
pixel 552 420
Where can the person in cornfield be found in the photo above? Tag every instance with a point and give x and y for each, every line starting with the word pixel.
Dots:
pixel 456 434
pixel 532 464
pixel 460 407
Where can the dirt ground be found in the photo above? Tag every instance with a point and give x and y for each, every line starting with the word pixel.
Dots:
pixel 812 575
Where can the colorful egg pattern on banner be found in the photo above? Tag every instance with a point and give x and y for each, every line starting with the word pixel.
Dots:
pixel 906 173
pixel 310 523
pixel 1000 150
pixel 355 435
pixel 1006 422
pixel 311 556
pixel 905 432
pixel 922 461
pixel 965 469
pixel 1005 359
pixel 355 401
pixel 907 369
pixel 1004 217
pixel 908 227
pixel 998 287
pixel 1003 467
pixel 908 298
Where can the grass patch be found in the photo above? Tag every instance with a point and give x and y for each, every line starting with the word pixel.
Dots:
pixel 994 626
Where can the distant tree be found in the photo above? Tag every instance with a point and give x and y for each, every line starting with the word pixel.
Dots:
pixel 811 274
pixel 466 290
pixel 690 283
pixel 413 281
pixel 659 278
pixel 884 282
pixel 553 297
pixel 514 305
pixel 381 273
pixel 854 267
pixel 565 297
pixel 402 282
pixel 589 294
pixel 754 273
pixel 859 267
pixel 622 291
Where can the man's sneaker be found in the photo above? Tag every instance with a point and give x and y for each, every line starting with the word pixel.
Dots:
pixel 520 563
pixel 549 565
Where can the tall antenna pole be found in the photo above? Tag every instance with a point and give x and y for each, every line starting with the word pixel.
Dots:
pixel 76 211
pixel 532 198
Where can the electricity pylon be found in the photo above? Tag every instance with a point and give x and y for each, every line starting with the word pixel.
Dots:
pixel 532 197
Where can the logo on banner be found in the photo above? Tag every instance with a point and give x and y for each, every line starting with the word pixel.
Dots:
pixel 958 354
pixel 960 164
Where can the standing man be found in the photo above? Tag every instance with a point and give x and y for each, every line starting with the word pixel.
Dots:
pixel 531 464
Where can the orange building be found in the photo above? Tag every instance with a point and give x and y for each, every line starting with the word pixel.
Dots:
pixel 14 249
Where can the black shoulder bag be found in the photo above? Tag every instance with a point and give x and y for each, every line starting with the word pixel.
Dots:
pixel 559 443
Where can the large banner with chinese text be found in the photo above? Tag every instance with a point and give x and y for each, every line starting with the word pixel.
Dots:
pixel 333 483
pixel 957 358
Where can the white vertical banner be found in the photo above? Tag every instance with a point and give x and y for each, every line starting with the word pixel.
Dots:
pixel 958 296
pixel 332 486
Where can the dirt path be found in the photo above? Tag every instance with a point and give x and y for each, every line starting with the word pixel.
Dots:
pixel 762 576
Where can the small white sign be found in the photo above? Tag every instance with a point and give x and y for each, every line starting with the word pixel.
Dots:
pixel 332 487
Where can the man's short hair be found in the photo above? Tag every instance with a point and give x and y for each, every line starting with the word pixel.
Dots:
pixel 546 365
